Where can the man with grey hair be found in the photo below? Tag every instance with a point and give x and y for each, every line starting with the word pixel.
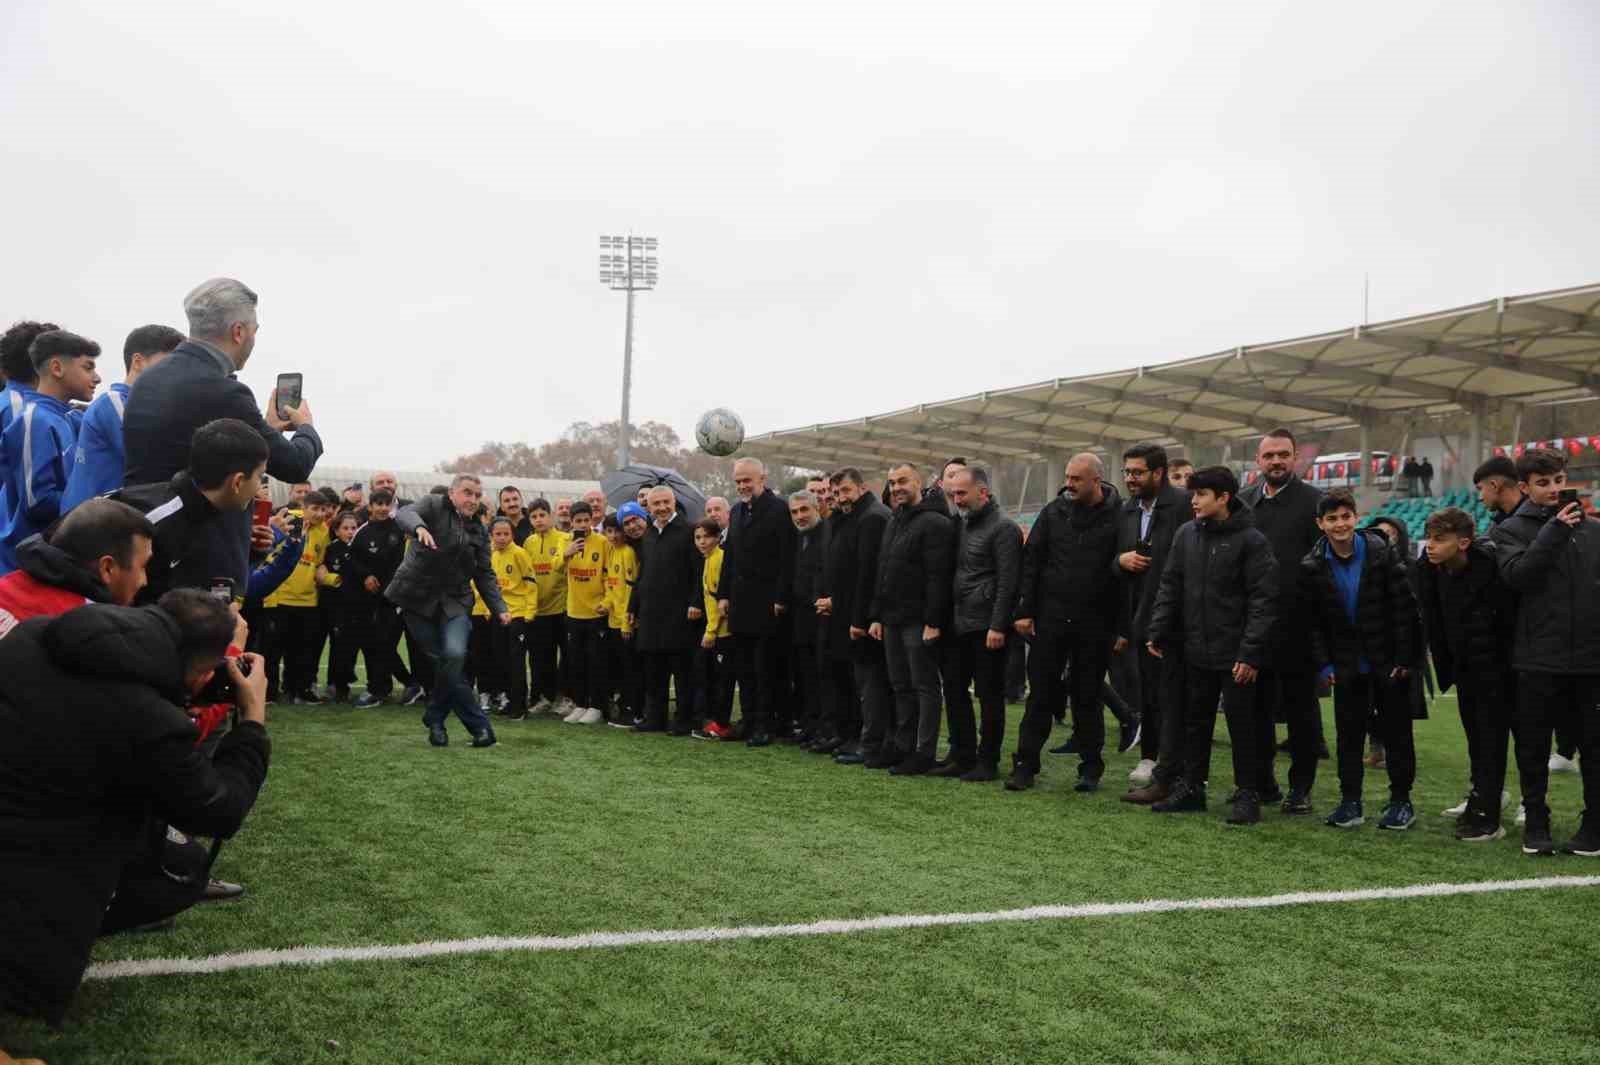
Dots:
pixel 799 588
pixel 197 384
pixel 668 615
pixel 1069 605
pixel 757 552
pixel 717 510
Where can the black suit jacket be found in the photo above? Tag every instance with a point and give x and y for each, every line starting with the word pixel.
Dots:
pixel 755 557
pixel 1171 512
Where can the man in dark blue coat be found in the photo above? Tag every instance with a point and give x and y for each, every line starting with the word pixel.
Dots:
pixel 197 384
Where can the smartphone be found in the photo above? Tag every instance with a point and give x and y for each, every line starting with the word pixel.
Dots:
pixel 222 589
pixel 1143 547
pixel 289 391
pixel 1568 495
pixel 261 511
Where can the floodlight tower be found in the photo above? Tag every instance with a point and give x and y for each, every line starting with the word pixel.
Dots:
pixel 627 264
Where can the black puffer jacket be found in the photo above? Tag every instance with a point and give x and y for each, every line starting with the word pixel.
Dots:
pixel 50 565
pixel 1386 631
pixel 1066 566
pixel 1289 522
pixel 441 577
pixel 95 745
pixel 800 585
pixel 1555 572
pixel 1171 512
pixel 988 571
pixel 1476 635
pixel 915 565
pixel 1218 594
pixel 852 541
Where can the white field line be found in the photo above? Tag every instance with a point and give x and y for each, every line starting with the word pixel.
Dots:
pixel 271 959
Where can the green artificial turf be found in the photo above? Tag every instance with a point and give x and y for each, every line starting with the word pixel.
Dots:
pixel 365 835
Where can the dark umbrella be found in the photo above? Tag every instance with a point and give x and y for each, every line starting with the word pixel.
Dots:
pixel 622 486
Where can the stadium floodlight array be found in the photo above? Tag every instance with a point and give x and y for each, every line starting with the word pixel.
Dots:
pixel 627 264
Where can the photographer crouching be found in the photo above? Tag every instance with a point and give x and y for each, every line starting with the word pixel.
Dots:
pixel 98 745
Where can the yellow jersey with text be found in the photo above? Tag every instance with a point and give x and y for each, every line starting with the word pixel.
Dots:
pixel 586 577
pixel 547 551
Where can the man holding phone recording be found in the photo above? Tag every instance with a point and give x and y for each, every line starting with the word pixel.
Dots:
pixel 1548 551
pixel 197 384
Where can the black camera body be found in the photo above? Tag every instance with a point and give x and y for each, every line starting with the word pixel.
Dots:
pixel 220 689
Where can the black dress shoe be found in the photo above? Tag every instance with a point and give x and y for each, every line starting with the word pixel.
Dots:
pixel 882 760
pixel 1021 778
pixel 438 736
pixel 1070 747
pixel 912 765
pixel 1087 783
pixel 952 770
pixel 760 739
pixel 980 773
pixel 850 758
pixel 826 746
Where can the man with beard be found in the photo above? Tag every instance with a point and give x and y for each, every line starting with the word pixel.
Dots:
pixel 1145 525
pixel 800 595
pixel 910 611
pixel 1068 604
pixel 511 510
pixel 1285 511
pixel 844 594
pixel 757 542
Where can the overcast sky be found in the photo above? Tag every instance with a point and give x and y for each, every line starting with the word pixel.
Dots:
pixel 860 206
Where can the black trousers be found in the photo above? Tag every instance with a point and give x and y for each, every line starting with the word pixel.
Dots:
pixel 509 643
pixel 298 630
pixel 586 650
pixel 757 663
pixel 1085 656
pixel 162 879
pixel 805 688
pixel 629 671
pixel 1161 684
pixel 376 625
pixel 546 639
pixel 1241 705
pixel 713 683
pixel 1487 700
pixel 1016 670
pixel 273 649
pixel 480 671
pixel 1363 697
pixel 1546 701
pixel 841 706
pixel 970 664
pixel 872 692
pixel 1290 696
pixel 666 672
pixel 342 644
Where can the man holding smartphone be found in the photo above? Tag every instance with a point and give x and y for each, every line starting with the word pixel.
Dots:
pixel 1549 553
pixel 197 384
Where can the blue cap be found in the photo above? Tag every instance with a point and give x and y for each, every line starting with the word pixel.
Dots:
pixel 631 510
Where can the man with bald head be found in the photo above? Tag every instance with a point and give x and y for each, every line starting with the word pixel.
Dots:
pixel 757 548
pixel 1069 605
pixel 667 613
pixel 717 510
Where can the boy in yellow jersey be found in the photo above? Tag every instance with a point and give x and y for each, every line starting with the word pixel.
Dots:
pixel 514 571
pixel 713 689
pixel 292 610
pixel 622 572
pixel 587 557
pixel 546 640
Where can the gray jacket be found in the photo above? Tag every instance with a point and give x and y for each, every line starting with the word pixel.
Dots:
pixel 431 580
pixel 988 570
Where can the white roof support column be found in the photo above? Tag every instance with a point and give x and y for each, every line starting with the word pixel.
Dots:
pixel 1368 491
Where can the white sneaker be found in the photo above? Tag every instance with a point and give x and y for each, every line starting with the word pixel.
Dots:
pixel 592 716
pixel 1522 813
pixel 484 702
pixel 1142 773
pixel 1559 764
pixel 563 707
pixel 1458 809
pixel 502 701
pixel 543 706
pixel 576 714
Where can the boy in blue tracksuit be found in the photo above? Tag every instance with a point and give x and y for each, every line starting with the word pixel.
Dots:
pixel 98 459
pixel 37 446
pixel 20 379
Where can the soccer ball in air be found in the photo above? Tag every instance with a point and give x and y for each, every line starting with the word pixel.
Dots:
pixel 719 432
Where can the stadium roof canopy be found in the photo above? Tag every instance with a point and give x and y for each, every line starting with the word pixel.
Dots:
pixel 1529 349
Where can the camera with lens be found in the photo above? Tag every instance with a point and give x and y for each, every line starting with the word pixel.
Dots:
pixel 220 688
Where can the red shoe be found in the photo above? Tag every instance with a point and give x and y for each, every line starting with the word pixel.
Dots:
pixel 717 730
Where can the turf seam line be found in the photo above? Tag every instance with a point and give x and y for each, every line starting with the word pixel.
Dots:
pixel 303 956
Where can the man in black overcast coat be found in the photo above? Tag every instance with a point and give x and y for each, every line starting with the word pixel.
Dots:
pixel 755 555
pixel 668 611
pixel 1285 511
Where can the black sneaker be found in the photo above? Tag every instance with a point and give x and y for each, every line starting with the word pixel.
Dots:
pixel 308 699
pixel 1183 799
pixel 1536 834
pixel 368 701
pixel 485 738
pixel 912 765
pixel 438 736
pixel 1297 803
pixel 759 739
pixel 1021 778
pixel 1270 796
pixel 412 695
pixel 1246 808
pixel 1087 782
pixel 1070 747
pixel 1128 735
pixel 1475 828
pixel 983 771
pixel 1586 843
pixel 882 760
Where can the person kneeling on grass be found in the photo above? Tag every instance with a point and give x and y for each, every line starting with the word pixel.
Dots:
pixel 91 703
pixel 1364 634
pixel 1217 602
